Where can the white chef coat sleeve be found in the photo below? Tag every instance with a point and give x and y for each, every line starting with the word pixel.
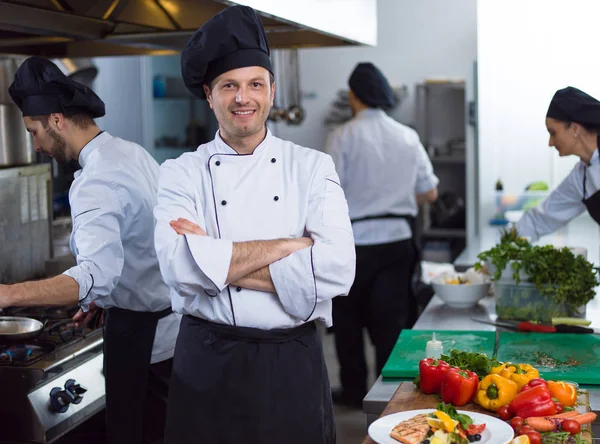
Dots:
pixel 326 269
pixel 190 264
pixel 561 206
pixel 96 240
pixel 334 147
pixel 426 179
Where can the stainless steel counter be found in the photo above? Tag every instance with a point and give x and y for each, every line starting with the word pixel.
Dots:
pixel 440 317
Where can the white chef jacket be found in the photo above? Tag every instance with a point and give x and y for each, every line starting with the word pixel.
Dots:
pixel 564 203
pixel 382 165
pixel 282 190
pixel 112 199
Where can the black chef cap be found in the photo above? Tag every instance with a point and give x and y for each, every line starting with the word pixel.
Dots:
pixel 371 87
pixel 234 38
pixel 40 88
pixel 573 105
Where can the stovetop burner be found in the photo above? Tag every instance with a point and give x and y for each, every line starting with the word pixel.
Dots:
pixel 23 353
pixel 59 331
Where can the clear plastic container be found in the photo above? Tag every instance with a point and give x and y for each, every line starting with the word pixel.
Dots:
pixel 522 201
pixel 524 302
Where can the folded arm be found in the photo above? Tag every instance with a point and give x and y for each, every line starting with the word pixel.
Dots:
pixel 326 269
pixel 192 261
pixel 246 268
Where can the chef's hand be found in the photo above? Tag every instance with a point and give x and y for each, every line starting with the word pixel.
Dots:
pixel 82 319
pixel 184 226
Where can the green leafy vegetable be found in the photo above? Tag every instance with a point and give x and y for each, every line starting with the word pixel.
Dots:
pixel 450 410
pixel 560 276
pixel 479 363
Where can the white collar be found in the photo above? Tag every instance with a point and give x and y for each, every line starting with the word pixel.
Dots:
pixel 91 146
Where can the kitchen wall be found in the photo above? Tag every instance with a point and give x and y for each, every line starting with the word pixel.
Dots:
pixel 126 96
pixel 527 49
pixel 421 39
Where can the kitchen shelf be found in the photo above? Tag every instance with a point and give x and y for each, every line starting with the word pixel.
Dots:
pixel 456 233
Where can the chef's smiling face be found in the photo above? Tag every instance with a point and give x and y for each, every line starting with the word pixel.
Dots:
pixel 241 99
pixel 563 136
pixel 45 139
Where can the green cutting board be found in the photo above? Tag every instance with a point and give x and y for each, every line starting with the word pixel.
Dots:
pixel 410 348
pixel 560 356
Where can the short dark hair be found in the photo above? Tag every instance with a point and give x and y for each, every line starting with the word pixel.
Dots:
pixel 271 81
pixel 80 120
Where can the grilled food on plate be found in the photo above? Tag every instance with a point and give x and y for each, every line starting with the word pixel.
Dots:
pixel 437 427
pixel 412 431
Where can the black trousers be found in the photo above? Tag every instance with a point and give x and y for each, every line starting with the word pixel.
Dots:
pixel 381 299
pixel 235 385
pixel 136 391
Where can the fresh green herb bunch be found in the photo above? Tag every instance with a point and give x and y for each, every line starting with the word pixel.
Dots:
pixel 558 274
pixel 478 363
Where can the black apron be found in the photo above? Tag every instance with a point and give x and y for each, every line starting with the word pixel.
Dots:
pixel 417 250
pixel 128 340
pixel 233 385
pixel 592 203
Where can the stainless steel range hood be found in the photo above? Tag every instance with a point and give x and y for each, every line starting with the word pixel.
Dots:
pixel 81 28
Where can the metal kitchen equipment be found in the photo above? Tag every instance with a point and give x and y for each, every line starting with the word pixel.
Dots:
pixel 25 222
pixel 50 383
pixel 14 329
pixel 75 28
pixel 287 102
pixel 16 145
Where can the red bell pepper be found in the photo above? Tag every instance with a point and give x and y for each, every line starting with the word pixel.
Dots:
pixel 537 401
pixel 459 386
pixel 534 383
pixel 431 375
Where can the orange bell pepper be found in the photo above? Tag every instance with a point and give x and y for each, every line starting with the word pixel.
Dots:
pixel 563 391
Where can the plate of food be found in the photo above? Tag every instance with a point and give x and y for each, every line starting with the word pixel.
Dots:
pixel 437 427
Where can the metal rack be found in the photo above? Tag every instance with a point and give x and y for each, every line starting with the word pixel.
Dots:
pixel 441 124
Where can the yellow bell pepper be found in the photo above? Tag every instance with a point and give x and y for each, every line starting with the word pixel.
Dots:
pixel 495 391
pixel 521 374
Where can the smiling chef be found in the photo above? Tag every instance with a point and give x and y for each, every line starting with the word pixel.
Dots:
pixel 254 239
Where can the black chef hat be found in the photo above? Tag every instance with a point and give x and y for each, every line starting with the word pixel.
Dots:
pixel 234 38
pixel 371 87
pixel 573 105
pixel 40 88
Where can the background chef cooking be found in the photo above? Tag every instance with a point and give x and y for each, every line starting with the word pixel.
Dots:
pixel 111 199
pixel 573 122
pixel 385 173
pixel 254 239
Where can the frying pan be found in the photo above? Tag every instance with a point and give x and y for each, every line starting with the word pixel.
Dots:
pixel 17 329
